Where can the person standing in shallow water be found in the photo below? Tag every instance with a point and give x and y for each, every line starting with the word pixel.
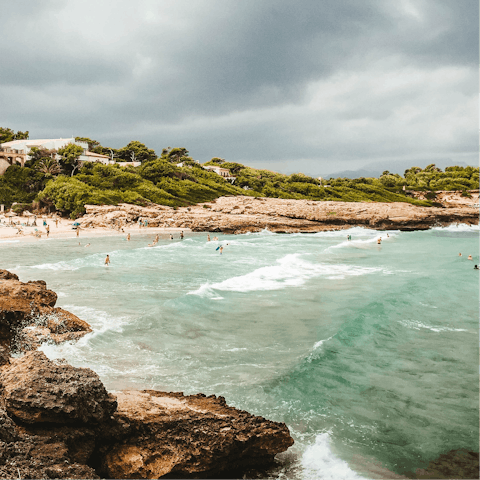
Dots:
pixel 107 260
pixel 208 237
pixel 221 250
pixel 128 237
pixel 379 240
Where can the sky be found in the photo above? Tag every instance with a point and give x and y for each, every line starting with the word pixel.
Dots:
pixel 312 86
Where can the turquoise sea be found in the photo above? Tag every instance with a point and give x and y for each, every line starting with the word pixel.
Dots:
pixel 369 353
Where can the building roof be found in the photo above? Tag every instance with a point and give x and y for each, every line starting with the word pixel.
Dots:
pixel 93 154
pixel 34 142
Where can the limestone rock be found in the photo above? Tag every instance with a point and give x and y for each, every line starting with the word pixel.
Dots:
pixel 241 214
pixel 189 436
pixel 28 316
pixel 37 390
pixel 40 457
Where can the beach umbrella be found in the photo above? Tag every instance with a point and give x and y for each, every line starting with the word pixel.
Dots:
pixel 75 224
pixel 26 213
pixel 11 214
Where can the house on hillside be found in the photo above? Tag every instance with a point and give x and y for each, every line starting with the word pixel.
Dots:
pixel 17 151
pixel 223 172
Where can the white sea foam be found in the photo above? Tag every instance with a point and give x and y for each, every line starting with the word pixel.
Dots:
pixel 354 231
pixel 318 461
pixel 290 271
pixel 422 326
pixel 459 227
pixel 99 320
pixel 321 342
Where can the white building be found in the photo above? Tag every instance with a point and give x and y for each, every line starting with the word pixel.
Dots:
pixel 17 151
pixel 223 172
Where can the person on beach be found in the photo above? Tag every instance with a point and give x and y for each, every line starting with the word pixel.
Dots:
pixel 107 260
pixel 56 222
pixel 47 228
pixel 379 240
pixel 78 231
pixel 128 237
pixel 181 235
pixel 469 257
pixel 208 237
pixel 34 224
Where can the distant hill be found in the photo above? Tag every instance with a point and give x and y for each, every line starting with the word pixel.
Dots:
pixel 375 169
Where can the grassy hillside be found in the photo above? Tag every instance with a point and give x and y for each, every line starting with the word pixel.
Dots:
pixel 161 181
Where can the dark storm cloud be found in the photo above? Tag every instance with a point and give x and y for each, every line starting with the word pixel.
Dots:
pixel 272 83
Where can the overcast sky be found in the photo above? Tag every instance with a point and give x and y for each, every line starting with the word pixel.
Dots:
pixel 311 85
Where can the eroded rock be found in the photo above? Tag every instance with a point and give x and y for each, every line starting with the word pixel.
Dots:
pixel 28 316
pixel 241 214
pixel 37 390
pixel 189 436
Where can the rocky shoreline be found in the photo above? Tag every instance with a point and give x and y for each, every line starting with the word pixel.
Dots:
pixel 241 214
pixel 59 421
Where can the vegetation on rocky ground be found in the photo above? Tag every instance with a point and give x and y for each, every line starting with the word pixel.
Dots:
pixel 64 186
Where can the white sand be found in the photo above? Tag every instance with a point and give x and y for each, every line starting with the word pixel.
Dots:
pixel 65 230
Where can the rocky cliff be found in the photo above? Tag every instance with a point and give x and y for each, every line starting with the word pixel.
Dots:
pixel 242 214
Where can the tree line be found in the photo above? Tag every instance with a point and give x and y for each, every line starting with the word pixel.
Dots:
pixel 57 181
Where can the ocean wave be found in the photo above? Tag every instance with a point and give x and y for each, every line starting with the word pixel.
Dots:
pixel 354 231
pixel 290 271
pixel 318 461
pixel 422 326
pixel 458 227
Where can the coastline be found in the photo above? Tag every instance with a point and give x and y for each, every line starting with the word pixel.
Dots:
pixel 240 214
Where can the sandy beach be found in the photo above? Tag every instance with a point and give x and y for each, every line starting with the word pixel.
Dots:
pixel 65 229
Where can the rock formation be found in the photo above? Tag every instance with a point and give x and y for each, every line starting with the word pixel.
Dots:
pixel 28 316
pixel 189 436
pixel 242 214
pixel 58 421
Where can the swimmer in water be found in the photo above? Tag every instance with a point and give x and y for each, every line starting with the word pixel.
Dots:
pixel 107 260
pixel 171 237
pixel 475 267
pixel 87 245
pixel 469 257
pixel 459 254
